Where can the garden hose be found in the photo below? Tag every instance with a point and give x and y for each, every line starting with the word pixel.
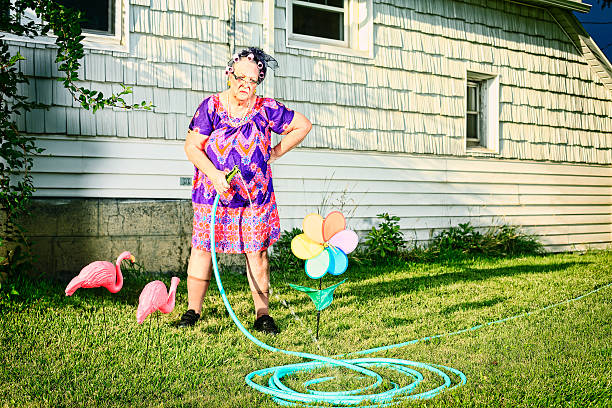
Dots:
pixel 391 395
pixel 287 396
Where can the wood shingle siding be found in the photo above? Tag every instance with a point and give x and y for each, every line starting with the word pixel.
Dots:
pixel 416 83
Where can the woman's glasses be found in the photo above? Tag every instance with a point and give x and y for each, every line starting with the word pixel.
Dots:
pixel 245 80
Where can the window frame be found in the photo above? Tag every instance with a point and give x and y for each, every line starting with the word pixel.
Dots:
pixel 487 85
pixel 310 38
pixel 119 41
pixel 358 36
pixel 478 87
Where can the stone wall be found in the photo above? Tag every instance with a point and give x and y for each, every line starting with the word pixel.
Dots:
pixel 70 233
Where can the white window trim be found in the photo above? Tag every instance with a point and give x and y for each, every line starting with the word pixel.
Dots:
pixel 302 37
pixel 118 42
pixel 359 31
pixel 489 137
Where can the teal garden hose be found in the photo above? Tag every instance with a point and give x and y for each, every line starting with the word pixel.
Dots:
pixel 412 370
pixel 287 396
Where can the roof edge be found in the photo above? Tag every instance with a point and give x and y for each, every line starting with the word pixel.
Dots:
pixel 585 45
pixel 564 4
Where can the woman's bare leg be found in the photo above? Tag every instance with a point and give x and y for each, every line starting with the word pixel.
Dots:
pixel 259 280
pixel 199 273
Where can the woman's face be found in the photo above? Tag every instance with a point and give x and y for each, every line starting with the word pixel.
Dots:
pixel 243 80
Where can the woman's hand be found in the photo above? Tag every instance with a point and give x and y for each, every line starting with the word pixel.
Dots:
pixel 273 156
pixel 194 148
pixel 219 182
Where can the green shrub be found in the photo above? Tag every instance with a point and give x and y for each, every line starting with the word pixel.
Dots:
pixel 386 241
pixel 499 241
pixel 282 259
pixel 18 149
pixel 461 239
pixel 509 240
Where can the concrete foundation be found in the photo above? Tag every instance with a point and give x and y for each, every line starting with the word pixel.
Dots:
pixel 70 233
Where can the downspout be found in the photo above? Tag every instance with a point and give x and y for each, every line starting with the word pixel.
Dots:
pixel 268 44
pixel 231 32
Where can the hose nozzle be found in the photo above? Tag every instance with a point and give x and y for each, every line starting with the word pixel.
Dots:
pixel 229 176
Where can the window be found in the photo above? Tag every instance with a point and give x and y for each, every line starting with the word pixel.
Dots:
pixel 337 26
pixel 99 15
pixel 473 116
pixel 105 26
pixel 482 112
pixel 320 19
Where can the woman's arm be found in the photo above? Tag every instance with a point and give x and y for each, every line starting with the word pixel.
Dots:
pixel 194 149
pixel 295 133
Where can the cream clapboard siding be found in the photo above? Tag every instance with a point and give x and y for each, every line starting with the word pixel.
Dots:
pixel 411 96
pixel 568 206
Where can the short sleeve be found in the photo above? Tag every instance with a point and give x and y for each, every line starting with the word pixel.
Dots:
pixel 279 116
pixel 202 119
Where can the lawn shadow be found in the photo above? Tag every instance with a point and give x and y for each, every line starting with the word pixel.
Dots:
pixel 472 305
pixel 391 286
pixel 391 321
pixel 51 291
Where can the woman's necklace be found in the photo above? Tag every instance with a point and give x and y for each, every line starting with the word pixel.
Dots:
pixel 237 120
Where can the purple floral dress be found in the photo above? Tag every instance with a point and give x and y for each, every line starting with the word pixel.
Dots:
pixel 240 226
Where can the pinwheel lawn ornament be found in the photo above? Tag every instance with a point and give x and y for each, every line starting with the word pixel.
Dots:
pixel 324 245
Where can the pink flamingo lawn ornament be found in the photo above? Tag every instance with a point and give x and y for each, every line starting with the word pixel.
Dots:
pixel 155 297
pixel 152 298
pixel 100 274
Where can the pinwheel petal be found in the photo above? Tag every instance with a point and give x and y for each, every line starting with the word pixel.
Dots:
pixel 305 248
pixel 339 261
pixel 346 240
pixel 313 227
pixel 334 223
pixel 317 267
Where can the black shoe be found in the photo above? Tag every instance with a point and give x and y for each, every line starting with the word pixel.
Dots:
pixel 266 324
pixel 189 318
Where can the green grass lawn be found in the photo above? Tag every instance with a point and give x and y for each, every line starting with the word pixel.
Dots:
pixel 54 351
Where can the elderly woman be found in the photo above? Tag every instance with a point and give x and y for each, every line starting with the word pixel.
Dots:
pixel 232 128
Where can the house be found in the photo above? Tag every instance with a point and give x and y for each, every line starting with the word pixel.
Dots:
pixel 439 112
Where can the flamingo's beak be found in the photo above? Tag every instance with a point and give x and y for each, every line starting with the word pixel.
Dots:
pixel 132 259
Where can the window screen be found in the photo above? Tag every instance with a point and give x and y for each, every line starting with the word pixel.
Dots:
pixel 326 21
pixel 473 110
pixel 99 14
